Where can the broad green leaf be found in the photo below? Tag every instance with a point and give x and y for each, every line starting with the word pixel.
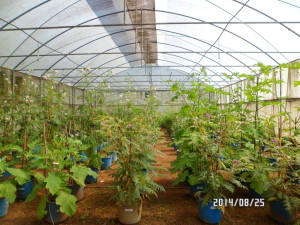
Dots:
pixel 296 83
pixel 67 203
pixel 181 177
pixel 41 208
pixel 39 177
pixel 22 176
pixel 54 183
pixel 7 190
pixel 258 186
pixel 80 172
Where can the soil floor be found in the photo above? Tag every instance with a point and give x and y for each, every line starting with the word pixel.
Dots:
pixel 175 206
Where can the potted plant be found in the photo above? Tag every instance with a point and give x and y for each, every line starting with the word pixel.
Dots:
pixel 58 164
pixel 284 194
pixel 206 155
pixel 284 200
pixel 134 139
pixel 7 188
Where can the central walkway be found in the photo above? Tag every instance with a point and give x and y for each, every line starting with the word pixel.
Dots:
pixel 166 179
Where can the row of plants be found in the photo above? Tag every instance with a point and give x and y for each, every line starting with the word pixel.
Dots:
pixel 49 149
pixel 224 147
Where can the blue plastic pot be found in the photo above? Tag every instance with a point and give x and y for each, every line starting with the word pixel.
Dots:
pixel 100 147
pixel 83 157
pixel 272 160
pixel 5 176
pixel 175 147
pixel 235 146
pixel 279 213
pixel 3 206
pixel 106 163
pixel 77 191
pixel 91 179
pixel 196 188
pixel 114 156
pixel 145 170
pixel 53 213
pixel 24 190
pixel 36 150
pixel 209 213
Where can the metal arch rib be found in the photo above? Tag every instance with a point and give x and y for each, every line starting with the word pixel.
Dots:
pixel 110 14
pixel 129 54
pixel 144 28
pixel 30 35
pixel 220 35
pixel 22 14
pixel 156 29
pixel 251 29
pixel 136 67
pixel 269 18
pixel 99 67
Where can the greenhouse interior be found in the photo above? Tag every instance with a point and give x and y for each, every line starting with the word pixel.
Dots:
pixel 151 112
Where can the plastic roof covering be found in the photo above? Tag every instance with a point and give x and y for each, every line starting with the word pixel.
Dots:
pixel 225 36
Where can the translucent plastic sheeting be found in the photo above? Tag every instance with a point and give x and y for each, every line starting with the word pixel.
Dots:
pixel 224 36
pixel 158 78
pixel 256 33
pixel 64 49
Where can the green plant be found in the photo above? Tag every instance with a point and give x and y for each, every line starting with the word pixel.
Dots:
pixel 206 142
pixel 7 187
pixel 134 140
pixel 58 161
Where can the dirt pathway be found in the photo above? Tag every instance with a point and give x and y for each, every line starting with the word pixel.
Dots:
pixel 169 155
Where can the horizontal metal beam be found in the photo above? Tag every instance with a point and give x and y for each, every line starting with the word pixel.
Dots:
pixel 142 85
pixel 134 81
pixel 140 75
pixel 149 24
pixel 162 52
pixel 143 66
pixel 133 90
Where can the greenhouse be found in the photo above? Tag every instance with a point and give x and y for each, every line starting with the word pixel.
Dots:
pixel 151 112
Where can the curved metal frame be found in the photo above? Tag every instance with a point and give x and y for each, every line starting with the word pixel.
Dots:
pixel 135 67
pixel 268 17
pixel 131 30
pixel 22 14
pixel 173 62
pixel 168 12
pixel 110 14
pixel 128 54
pixel 35 30
pixel 121 65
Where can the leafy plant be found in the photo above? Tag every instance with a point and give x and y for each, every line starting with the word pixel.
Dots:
pixel 133 139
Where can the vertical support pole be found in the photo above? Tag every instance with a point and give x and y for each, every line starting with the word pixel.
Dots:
pixel 12 91
pixel 13 81
pixel 136 21
pixel 135 45
pixel 142 45
pixel 73 97
pixel 40 86
pixel 83 96
pixel 280 106
pixel 124 11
